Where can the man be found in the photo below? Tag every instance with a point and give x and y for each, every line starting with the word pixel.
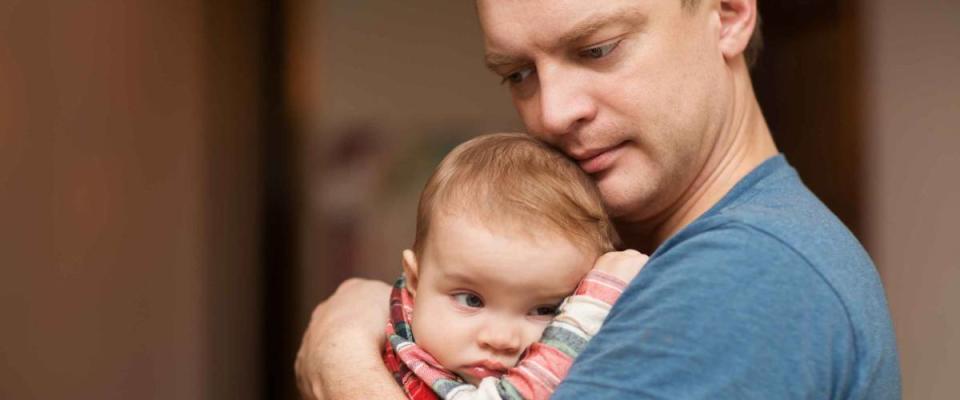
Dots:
pixel 753 289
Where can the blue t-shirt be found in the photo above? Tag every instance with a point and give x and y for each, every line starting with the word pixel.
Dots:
pixel 765 296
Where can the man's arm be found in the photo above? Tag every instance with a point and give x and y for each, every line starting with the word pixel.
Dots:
pixel 339 357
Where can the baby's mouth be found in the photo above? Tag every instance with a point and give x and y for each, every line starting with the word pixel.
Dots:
pixel 484 369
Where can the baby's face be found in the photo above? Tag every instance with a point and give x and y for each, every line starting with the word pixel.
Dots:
pixel 483 297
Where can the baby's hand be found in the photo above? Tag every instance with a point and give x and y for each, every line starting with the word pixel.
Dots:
pixel 622 264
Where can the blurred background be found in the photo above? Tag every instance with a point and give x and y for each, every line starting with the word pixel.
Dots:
pixel 182 181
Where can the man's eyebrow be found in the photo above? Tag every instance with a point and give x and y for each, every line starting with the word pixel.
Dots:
pixel 495 61
pixel 581 30
pixel 593 23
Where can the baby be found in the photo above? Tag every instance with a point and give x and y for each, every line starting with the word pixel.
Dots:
pixel 497 296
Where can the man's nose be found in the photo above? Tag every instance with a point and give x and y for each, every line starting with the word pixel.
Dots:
pixel 565 102
pixel 501 337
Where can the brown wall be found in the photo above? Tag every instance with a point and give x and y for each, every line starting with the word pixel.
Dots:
pixel 913 149
pixel 127 186
pixel 808 83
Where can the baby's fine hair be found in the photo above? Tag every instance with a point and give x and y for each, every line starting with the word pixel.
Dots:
pixel 513 181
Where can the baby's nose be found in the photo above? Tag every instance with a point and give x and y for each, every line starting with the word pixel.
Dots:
pixel 502 338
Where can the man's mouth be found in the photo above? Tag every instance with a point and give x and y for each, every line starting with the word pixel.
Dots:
pixel 597 160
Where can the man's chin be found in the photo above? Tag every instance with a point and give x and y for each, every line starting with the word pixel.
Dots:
pixel 623 204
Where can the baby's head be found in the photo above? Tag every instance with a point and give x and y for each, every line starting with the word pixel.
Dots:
pixel 506 228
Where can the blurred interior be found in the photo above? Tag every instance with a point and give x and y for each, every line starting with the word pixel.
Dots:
pixel 182 181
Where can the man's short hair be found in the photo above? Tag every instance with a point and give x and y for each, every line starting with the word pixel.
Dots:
pixel 752 52
pixel 512 181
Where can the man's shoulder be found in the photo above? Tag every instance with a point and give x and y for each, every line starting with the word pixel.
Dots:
pixel 734 250
pixel 767 295
pixel 775 241
pixel 778 223
pixel 731 312
pixel 771 213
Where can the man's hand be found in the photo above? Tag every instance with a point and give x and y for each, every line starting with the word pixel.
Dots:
pixel 339 356
pixel 622 264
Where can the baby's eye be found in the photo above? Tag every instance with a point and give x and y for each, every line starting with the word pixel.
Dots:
pixel 468 300
pixel 544 311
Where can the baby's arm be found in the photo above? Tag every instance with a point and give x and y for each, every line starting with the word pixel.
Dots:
pixel 580 316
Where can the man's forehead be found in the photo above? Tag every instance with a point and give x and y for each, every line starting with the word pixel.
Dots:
pixel 510 24
pixel 513 29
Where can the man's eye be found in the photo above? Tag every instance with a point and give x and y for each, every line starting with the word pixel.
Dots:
pixel 599 51
pixel 468 300
pixel 517 76
pixel 544 311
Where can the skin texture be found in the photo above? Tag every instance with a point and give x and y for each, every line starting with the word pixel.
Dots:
pixel 483 296
pixel 657 105
pixel 347 329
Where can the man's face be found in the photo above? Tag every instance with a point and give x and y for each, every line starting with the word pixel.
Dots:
pixel 633 90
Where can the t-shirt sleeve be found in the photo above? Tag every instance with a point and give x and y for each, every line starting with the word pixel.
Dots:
pixel 729 312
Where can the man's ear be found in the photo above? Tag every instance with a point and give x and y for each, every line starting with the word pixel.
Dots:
pixel 410 270
pixel 738 19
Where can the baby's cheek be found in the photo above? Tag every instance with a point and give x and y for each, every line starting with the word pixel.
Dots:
pixel 433 333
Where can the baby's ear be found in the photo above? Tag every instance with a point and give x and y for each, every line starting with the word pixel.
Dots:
pixel 410 270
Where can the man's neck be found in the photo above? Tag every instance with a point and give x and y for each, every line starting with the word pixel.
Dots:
pixel 743 144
